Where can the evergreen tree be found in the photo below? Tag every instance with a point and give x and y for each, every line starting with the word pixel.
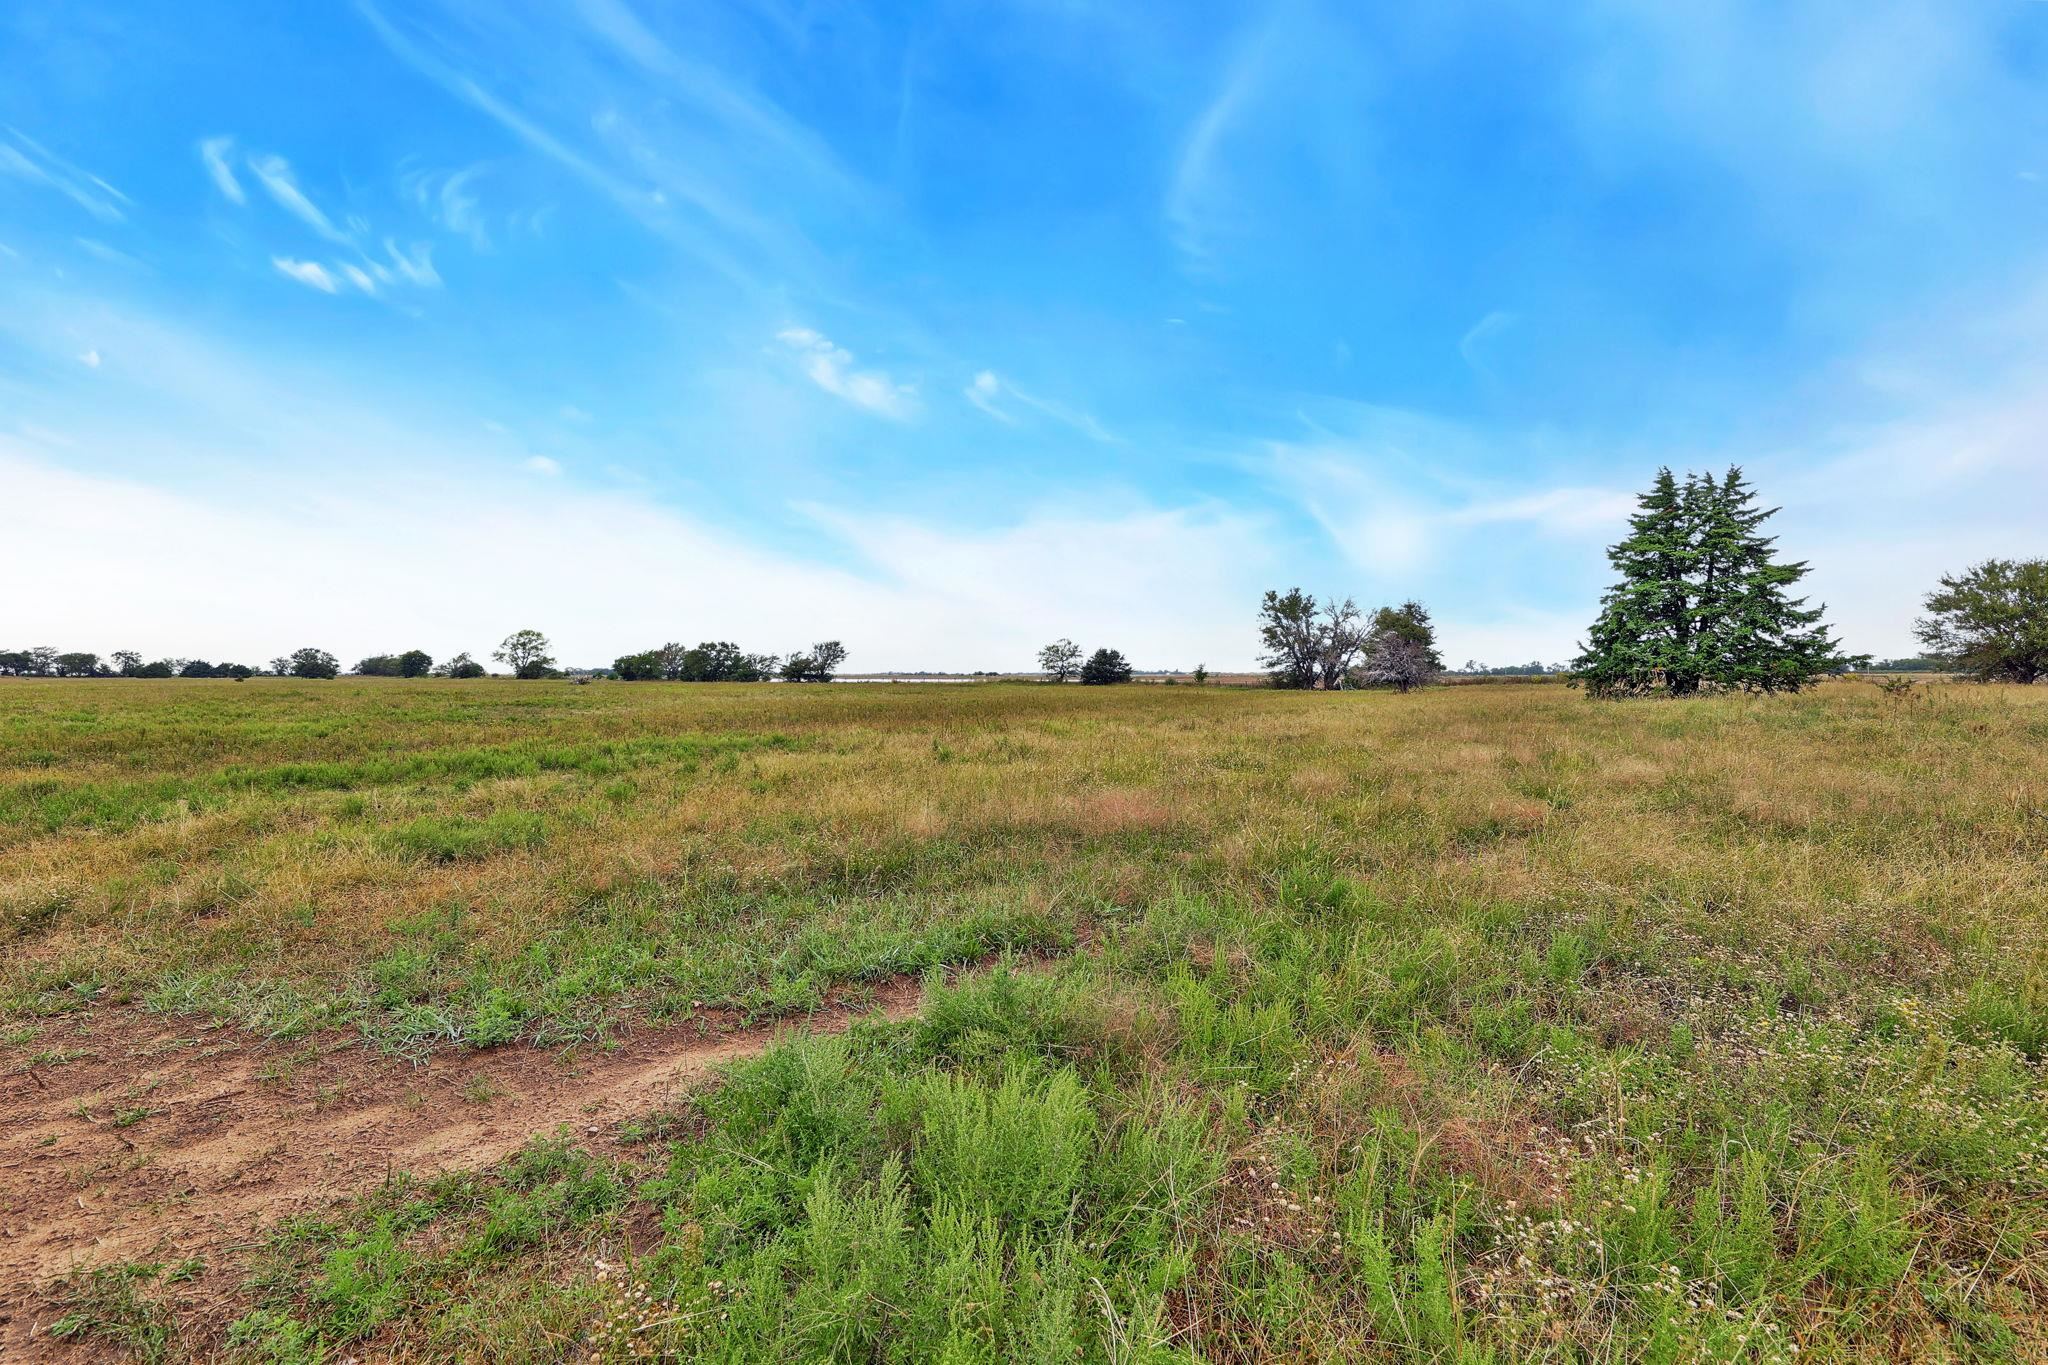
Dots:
pixel 1644 631
pixel 1106 667
pixel 1702 601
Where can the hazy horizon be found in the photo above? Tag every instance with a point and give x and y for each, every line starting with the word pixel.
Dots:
pixel 949 333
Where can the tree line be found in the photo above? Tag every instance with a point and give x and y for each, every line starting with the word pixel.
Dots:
pixel 1061 660
pixel 1702 604
pixel 723 661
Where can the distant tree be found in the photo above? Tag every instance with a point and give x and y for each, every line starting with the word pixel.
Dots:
pixel 126 661
pixel 13 662
pixel 1201 674
pixel 461 666
pixel 313 663
pixel 711 661
pixel 160 668
pixel 1702 600
pixel 1400 649
pixel 1059 660
pixel 645 667
pixel 526 653
pixel 1991 621
pixel 415 663
pixel 818 665
pixel 80 665
pixel 1290 629
pixel 1397 662
pixel 239 672
pixel 1104 667
pixel 196 668
pixel 378 666
pixel 1340 639
pixel 724 661
pixel 1409 621
pixel 281 666
pixel 42 661
pixel 674 660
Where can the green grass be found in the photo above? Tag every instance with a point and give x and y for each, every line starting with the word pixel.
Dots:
pixel 1485 1024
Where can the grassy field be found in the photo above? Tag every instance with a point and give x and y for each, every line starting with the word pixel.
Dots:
pixel 1482 1024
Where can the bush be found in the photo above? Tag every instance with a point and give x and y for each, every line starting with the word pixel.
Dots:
pixel 1104 667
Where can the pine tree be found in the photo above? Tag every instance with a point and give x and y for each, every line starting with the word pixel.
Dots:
pixel 1644 632
pixel 1702 601
pixel 1749 634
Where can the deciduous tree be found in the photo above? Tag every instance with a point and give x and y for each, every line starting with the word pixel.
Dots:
pixel 1291 631
pixel 525 652
pixel 1991 620
pixel 1059 660
pixel 313 663
pixel 642 667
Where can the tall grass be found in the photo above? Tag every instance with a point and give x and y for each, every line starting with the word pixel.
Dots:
pixel 1484 1024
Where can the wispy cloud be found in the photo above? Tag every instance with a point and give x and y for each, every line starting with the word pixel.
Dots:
pixel 541 464
pixel 310 273
pixel 274 173
pixel 213 153
pixel 984 392
pixel 414 266
pixel 450 199
pixel 1473 346
pixel 679 142
pixel 26 159
pixel 90 359
pixel 831 368
pixel 1193 201
pixel 99 250
pixel 989 391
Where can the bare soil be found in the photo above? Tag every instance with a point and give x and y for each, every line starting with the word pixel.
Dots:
pixel 163 1139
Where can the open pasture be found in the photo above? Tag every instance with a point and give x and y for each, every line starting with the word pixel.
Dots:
pixel 1485 1023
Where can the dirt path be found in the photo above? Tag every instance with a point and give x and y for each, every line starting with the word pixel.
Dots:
pixel 156 1139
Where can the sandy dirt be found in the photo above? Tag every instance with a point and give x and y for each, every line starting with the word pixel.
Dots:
pixel 161 1139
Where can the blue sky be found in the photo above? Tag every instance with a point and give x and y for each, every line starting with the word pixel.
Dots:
pixel 949 329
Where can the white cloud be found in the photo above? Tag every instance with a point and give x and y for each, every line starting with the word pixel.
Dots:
pixel 1168 587
pixel 449 198
pixel 1194 203
pixel 112 256
pixel 310 273
pixel 1563 511
pixel 1472 347
pixel 26 159
pixel 831 368
pixel 213 152
pixel 414 267
pixel 275 175
pixel 983 393
pixel 988 387
pixel 359 277
pixel 90 359
pixel 541 464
